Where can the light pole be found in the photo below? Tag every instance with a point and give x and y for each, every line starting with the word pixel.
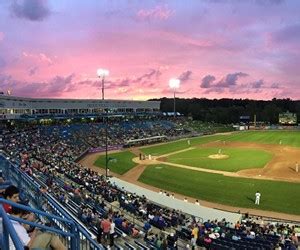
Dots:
pixel 108 160
pixel 174 84
pixel 102 73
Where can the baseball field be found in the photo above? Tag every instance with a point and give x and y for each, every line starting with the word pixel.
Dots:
pixel 225 168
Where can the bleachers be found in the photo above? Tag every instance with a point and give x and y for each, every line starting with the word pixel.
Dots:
pixel 130 246
pixel 141 246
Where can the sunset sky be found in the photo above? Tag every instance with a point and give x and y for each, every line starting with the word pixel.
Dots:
pixel 218 48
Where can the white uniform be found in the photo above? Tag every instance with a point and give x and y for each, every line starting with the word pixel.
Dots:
pixel 297 167
pixel 257 198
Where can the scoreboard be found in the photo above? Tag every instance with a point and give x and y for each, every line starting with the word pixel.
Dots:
pixel 288 118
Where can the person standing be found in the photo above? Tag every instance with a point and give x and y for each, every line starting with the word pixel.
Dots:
pixel 105 225
pixel 297 167
pixel 112 233
pixel 257 198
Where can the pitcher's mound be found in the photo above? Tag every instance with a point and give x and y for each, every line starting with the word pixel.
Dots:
pixel 218 156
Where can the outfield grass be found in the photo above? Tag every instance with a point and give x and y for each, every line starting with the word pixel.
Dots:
pixel 276 196
pixel 239 159
pixel 121 165
pixel 289 138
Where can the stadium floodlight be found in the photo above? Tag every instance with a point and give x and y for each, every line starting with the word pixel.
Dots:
pixel 102 73
pixel 174 84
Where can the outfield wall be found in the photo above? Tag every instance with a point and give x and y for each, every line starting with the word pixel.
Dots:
pixel 189 208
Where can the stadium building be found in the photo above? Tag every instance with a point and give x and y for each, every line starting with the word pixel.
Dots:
pixel 12 107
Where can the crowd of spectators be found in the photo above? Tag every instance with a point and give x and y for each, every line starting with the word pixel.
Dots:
pixel 250 233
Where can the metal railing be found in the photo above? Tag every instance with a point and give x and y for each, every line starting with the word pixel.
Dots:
pixel 67 232
pixel 8 231
pixel 83 239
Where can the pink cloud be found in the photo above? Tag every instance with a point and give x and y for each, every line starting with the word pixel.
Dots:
pixel 185 76
pixel 231 79
pixel 54 87
pixel 157 13
pixel 183 39
pixel 38 58
pixel 1 36
pixel 207 81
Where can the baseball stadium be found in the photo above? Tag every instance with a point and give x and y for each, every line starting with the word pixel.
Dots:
pixel 149 125
pixel 82 161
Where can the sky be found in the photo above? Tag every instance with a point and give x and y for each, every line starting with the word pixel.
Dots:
pixel 217 48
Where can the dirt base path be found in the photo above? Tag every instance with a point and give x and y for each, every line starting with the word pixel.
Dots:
pixel 136 151
pixel 134 173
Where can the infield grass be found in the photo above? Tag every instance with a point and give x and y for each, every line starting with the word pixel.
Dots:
pixel 166 148
pixel 121 164
pixel 239 159
pixel 275 196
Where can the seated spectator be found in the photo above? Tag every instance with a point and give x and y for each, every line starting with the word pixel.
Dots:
pixel 11 193
pixel 235 237
pixel 207 241
pixel 172 241
pixel 37 239
pixel 294 239
pixel 147 226
pixel 159 242
pixel 134 232
pixel 118 221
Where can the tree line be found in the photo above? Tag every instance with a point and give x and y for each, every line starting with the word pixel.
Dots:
pixel 229 110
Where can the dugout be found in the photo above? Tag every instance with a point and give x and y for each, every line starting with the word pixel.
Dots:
pixel 143 141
